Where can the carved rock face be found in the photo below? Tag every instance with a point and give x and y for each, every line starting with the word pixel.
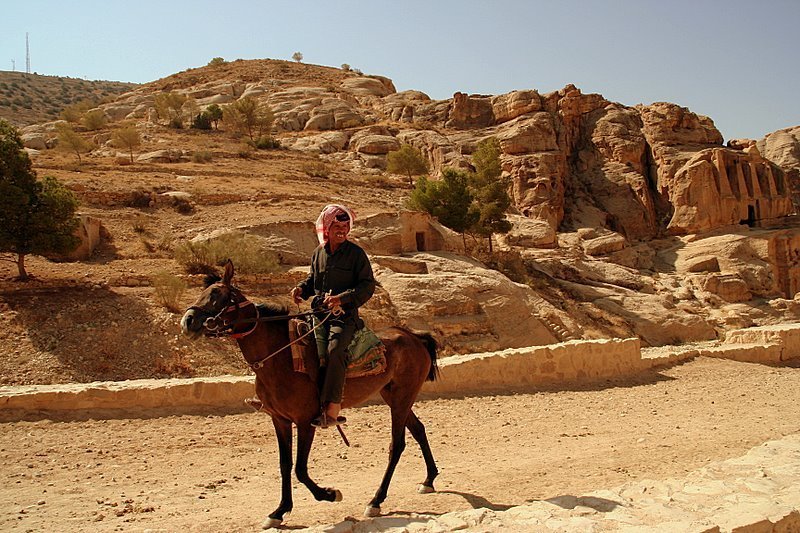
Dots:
pixel 719 187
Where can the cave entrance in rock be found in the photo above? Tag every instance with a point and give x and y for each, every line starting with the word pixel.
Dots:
pixel 421 241
pixel 751 216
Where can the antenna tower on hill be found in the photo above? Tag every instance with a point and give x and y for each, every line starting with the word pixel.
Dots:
pixel 13 66
pixel 27 55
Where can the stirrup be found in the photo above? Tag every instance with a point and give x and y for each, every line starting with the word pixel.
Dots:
pixel 324 421
pixel 254 402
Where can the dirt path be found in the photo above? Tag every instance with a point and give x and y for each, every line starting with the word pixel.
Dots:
pixel 190 473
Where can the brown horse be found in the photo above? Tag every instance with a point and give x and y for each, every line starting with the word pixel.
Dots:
pixel 292 398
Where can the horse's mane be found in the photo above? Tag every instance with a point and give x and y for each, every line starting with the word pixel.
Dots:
pixel 269 309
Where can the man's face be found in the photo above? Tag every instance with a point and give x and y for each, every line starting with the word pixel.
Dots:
pixel 337 233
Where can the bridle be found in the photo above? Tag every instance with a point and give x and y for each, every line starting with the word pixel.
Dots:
pixel 218 326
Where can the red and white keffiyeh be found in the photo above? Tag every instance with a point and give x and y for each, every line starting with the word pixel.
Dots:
pixel 328 216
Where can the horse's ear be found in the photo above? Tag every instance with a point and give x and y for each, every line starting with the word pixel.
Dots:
pixel 210 279
pixel 228 276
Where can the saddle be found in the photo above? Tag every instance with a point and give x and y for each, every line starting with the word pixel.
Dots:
pixel 366 354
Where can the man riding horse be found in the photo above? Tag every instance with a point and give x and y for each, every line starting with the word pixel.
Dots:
pixel 341 280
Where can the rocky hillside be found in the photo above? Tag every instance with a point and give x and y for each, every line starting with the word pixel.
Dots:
pixel 628 221
pixel 32 98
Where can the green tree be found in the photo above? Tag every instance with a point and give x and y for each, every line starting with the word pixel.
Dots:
pixel 216 62
pixel 448 199
pixel 36 217
pixel 297 56
pixel 248 115
pixel 407 160
pixel 126 137
pixel 71 141
pixel 490 191
pixel 214 114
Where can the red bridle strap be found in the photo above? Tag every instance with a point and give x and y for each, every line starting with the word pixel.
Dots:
pixel 237 307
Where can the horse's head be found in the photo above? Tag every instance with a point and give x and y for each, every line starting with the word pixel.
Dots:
pixel 204 316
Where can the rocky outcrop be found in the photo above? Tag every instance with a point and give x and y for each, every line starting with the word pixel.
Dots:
pixel 333 113
pixel 324 143
pixel 470 111
pixel 469 307
pixel 511 105
pixel 369 86
pixel 783 148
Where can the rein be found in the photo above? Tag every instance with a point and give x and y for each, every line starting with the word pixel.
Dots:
pixel 220 326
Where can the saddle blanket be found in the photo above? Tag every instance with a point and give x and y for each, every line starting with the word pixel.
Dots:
pixel 366 354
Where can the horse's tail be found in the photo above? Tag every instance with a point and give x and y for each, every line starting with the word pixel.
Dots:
pixel 430 343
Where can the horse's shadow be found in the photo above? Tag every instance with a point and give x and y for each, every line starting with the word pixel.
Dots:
pixel 478 502
pixel 568 501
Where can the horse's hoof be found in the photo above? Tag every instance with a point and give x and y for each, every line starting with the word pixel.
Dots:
pixel 269 523
pixel 371 511
pixel 337 495
pixel 425 489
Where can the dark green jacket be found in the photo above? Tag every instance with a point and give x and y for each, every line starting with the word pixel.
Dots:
pixel 346 273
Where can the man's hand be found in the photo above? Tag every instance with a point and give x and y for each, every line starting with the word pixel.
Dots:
pixel 297 295
pixel 332 301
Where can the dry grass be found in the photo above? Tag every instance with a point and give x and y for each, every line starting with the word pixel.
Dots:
pixel 169 289
pixel 246 251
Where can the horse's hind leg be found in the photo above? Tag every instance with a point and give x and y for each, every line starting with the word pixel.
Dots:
pixel 417 430
pixel 399 416
pixel 283 431
pixel 305 438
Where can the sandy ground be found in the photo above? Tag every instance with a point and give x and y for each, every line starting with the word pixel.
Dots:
pixel 220 473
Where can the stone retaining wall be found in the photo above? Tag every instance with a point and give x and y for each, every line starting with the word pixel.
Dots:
pixel 584 361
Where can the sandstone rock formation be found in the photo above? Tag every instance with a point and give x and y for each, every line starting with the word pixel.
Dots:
pixel 574 160
pixel 783 148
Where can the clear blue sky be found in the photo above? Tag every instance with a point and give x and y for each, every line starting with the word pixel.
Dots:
pixel 734 60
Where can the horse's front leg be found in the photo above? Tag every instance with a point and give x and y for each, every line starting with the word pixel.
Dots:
pixel 305 438
pixel 283 430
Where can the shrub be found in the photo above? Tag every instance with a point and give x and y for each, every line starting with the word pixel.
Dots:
pixel 297 56
pixel 140 198
pixel 245 250
pixel 169 107
pixel 139 224
pixel 216 62
pixel 202 121
pixel 202 156
pixel 168 289
pixel 176 123
pixel 266 142
pixel 94 119
pixel 317 169
pixel 165 242
pixel 345 67
pixel 183 206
